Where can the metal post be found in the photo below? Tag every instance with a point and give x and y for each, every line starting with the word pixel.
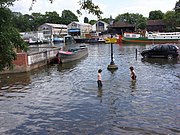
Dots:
pixel 112 65
pixel 112 61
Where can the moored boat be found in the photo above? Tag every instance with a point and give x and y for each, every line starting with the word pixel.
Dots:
pixel 71 51
pixel 58 40
pixel 159 37
pixel 72 54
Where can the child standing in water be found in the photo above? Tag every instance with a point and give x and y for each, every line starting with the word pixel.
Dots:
pixel 133 74
pixel 99 81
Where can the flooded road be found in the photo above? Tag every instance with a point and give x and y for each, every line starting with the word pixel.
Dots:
pixel 65 99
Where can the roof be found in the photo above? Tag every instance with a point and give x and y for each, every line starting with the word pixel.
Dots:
pixel 122 24
pixel 55 25
pixel 155 22
pixel 80 23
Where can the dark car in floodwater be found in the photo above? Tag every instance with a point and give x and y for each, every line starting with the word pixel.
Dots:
pixel 161 51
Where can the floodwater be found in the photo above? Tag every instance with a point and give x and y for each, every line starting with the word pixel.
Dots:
pixel 65 99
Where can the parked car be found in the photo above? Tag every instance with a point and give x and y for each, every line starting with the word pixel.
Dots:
pixel 167 51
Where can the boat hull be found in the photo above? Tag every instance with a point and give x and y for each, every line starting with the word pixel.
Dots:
pixel 69 56
pixel 146 40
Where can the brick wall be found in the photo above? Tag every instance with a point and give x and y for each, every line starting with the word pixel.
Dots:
pixel 21 60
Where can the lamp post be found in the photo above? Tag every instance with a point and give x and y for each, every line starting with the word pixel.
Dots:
pixel 112 65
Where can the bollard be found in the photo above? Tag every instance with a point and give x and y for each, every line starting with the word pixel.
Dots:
pixel 136 53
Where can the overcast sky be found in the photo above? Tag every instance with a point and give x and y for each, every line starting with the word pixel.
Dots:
pixel 109 7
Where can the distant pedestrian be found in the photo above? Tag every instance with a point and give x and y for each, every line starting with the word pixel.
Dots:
pixel 99 81
pixel 133 74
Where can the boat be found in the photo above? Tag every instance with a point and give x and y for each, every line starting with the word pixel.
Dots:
pixel 33 37
pixel 72 54
pixel 101 40
pixel 71 51
pixel 109 40
pixel 156 37
pixel 58 40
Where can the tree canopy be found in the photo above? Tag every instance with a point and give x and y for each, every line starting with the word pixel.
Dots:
pixel 155 15
pixel 137 19
pixel 87 5
pixel 68 17
pixel 9 39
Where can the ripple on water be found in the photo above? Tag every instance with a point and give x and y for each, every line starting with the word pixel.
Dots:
pixel 65 99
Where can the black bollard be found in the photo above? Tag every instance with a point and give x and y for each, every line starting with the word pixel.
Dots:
pixel 136 53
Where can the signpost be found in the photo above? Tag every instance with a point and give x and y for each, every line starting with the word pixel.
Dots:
pixel 112 40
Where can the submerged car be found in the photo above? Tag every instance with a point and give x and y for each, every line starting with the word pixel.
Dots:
pixel 159 51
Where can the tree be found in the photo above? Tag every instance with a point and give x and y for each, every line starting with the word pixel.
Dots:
pixel 92 22
pixel 22 22
pixel 36 19
pixel 68 17
pixel 105 20
pixel 177 6
pixel 136 19
pixel 52 17
pixel 155 15
pixel 87 5
pixel 86 20
pixel 141 24
pixel 177 13
pixel 9 39
pixel 169 19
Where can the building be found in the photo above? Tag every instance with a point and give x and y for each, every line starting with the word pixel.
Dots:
pixel 121 27
pixel 33 37
pixel 51 30
pixel 155 25
pixel 100 26
pixel 79 29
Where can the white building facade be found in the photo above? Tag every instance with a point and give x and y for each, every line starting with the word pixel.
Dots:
pixel 100 26
pixel 84 28
pixel 51 30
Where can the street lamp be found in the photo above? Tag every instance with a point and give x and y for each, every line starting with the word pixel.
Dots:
pixel 112 65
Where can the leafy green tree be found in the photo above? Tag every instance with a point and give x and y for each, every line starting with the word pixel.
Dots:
pixel 155 15
pixel 9 39
pixel 177 6
pixel 87 5
pixel 52 17
pixel 21 22
pixel 68 17
pixel 177 19
pixel 92 22
pixel 37 19
pixel 86 20
pixel 105 20
pixel 169 19
pixel 136 19
pixel 141 24
pixel 177 13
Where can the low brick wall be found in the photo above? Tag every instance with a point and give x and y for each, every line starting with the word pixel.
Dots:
pixel 21 59
pixel 25 62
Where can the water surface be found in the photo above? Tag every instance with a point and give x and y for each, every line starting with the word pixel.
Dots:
pixel 65 99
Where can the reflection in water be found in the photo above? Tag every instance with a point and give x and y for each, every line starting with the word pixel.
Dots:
pixel 100 94
pixel 14 79
pixel 160 61
pixel 133 85
pixel 65 100
pixel 70 65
